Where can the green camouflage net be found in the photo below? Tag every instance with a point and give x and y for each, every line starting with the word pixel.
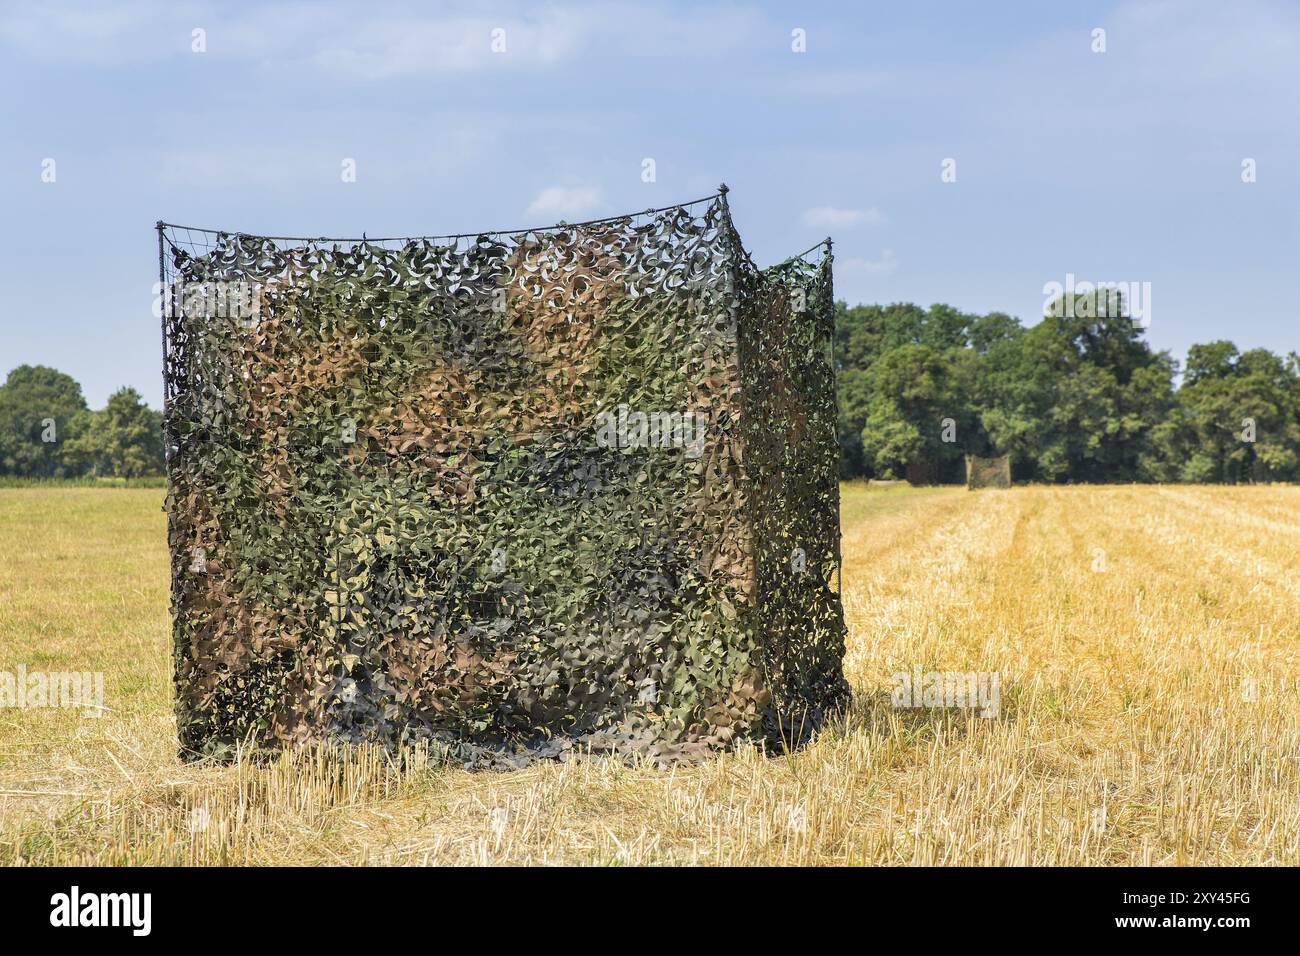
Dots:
pixel 988 472
pixel 510 495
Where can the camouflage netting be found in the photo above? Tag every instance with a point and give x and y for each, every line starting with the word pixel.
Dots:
pixel 508 495
pixel 988 472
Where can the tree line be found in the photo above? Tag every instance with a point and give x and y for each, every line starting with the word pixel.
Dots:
pixel 1079 397
pixel 48 431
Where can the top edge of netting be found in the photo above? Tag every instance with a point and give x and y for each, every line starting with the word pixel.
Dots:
pixel 171 227
pixel 824 247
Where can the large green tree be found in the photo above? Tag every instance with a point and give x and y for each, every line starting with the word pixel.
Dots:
pixel 1080 396
pixel 904 377
pixel 124 439
pixel 1240 416
pixel 40 413
pixel 918 412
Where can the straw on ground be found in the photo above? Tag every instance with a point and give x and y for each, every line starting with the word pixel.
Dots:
pixel 1146 638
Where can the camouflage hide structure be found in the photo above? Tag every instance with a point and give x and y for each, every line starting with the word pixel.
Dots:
pixel 988 472
pixel 510 495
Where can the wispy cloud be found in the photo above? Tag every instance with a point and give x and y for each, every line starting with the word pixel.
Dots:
pixel 330 36
pixel 833 217
pixel 886 264
pixel 565 202
pixel 334 38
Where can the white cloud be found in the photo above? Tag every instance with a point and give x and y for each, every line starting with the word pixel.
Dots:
pixel 68 31
pixel 832 217
pixel 332 39
pixel 382 49
pixel 565 202
pixel 886 264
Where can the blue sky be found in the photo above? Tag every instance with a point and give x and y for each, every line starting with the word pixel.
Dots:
pixel 1117 166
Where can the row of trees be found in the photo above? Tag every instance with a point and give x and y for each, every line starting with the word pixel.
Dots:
pixel 1080 397
pixel 48 431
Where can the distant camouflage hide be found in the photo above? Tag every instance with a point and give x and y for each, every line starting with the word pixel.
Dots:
pixel 988 472
pixel 508 495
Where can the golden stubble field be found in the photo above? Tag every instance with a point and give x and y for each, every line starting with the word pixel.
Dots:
pixel 1147 642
